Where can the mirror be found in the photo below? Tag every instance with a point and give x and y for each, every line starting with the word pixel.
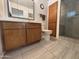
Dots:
pixel 21 9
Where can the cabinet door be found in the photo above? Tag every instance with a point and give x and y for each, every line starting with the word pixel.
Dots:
pixel 33 35
pixel 14 38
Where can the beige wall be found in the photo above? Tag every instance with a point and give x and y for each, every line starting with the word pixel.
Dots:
pixel 38 11
pixel 1 7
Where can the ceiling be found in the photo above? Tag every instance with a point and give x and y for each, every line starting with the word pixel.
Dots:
pixel 27 3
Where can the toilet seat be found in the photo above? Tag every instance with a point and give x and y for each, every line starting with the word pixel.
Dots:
pixel 47 31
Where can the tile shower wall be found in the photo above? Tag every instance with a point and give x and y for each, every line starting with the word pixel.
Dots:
pixel 62 18
pixel 70 24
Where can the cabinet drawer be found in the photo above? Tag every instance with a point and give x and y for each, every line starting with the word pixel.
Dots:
pixel 13 25
pixel 33 25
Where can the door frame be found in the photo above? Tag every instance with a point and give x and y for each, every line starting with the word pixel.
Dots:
pixel 58 16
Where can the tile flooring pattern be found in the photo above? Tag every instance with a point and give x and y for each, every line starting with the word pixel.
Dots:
pixel 63 48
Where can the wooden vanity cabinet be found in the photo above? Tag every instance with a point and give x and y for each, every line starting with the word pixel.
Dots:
pixel 14 35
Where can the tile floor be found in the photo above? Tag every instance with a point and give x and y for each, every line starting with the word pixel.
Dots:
pixel 63 48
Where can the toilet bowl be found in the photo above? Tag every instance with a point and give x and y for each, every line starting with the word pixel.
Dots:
pixel 46 34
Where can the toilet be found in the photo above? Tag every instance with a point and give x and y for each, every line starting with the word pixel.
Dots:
pixel 46 34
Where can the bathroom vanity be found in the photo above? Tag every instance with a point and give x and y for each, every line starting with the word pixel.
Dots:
pixel 16 35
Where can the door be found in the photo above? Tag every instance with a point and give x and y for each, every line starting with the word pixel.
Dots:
pixel 53 17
